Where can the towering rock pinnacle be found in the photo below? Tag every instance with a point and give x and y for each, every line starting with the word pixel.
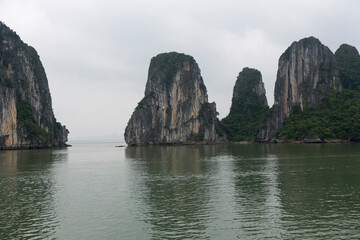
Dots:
pixel 27 119
pixel 307 73
pixel 348 59
pixel 248 84
pixel 248 108
pixel 175 108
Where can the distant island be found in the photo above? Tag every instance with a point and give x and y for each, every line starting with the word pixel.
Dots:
pixel 27 118
pixel 317 99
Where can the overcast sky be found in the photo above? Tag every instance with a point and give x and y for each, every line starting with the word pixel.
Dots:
pixel 96 53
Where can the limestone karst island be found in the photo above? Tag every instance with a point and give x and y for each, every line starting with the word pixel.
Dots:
pixel 186 120
pixel 27 118
pixel 317 99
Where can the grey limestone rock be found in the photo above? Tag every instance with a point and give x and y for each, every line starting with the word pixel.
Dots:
pixel 175 108
pixel 307 73
pixel 27 118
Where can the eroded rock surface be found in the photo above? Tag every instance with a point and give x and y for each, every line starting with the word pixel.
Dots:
pixel 307 73
pixel 175 109
pixel 27 118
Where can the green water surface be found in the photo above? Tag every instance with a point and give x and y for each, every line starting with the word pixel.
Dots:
pixel 255 191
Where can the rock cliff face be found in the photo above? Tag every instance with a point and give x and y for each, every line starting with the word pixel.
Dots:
pixel 248 108
pixel 27 119
pixel 175 108
pixel 307 73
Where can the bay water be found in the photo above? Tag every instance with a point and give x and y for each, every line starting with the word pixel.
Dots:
pixel 95 190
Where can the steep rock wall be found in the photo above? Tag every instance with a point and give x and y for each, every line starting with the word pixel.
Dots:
pixel 307 73
pixel 175 108
pixel 27 119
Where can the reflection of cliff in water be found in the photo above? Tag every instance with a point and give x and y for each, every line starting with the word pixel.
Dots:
pixel 255 178
pixel 252 168
pixel 173 159
pixel 177 181
pixel 272 191
pixel 27 193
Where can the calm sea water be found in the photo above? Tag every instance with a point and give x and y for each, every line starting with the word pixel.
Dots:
pixel 97 191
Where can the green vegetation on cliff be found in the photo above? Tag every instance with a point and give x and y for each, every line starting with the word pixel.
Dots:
pixel 168 64
pixel 245 126
pixel 338 116
pixel 249 108
pixel 23 81
pixel 142 102
pixel 207 116
pixel 25 116
pixel 348 59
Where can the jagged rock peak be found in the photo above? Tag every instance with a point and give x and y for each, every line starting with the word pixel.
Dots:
pixel 175 108
pixel 307 73
pixel 27 119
